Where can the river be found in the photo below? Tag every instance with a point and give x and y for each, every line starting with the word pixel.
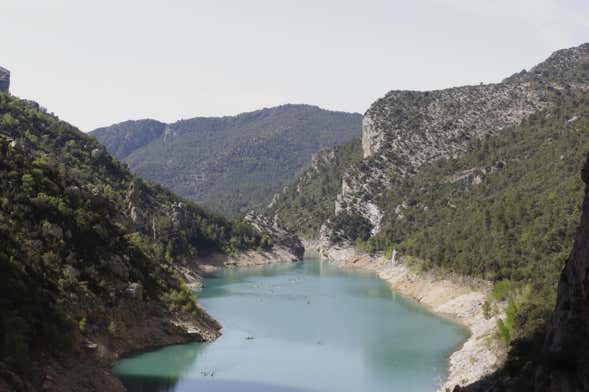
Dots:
pixel 306 326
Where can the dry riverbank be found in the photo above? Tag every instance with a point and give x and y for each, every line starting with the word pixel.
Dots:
pixel 459 299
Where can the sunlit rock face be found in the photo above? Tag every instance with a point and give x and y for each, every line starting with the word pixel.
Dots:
pixel 406 129
pixel 4 79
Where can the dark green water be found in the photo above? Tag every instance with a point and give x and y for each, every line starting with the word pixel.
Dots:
pixel 303 327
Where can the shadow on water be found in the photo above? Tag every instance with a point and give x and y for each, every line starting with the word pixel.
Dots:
pixel 164 384
pixel 147 372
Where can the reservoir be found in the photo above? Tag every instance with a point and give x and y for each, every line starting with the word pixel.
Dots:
pixel 306 326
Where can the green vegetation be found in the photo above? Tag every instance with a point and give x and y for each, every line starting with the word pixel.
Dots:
pixel 182 298
pixel 506 211
pixel 231 164
pixel 77 228
pixel 310 200
pixel 112 328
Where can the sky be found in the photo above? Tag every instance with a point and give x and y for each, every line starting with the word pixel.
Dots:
pixel 95 63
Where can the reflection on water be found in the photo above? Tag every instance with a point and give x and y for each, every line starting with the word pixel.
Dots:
pixel 305 326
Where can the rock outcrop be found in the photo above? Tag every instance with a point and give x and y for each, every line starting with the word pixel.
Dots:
pixel 4 79
pixel 279 237
pixel 406 129
pixel 566 350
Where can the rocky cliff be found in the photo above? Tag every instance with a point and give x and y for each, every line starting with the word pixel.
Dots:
pixel 405 129
pixel 304 205
pixel 566 350
pixel 277 234
pixel 563 364
pixel 4 79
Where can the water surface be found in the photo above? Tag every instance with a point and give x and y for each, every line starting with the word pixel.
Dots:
pixel 302 327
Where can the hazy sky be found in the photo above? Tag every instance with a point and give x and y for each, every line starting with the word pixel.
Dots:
pixel 98 62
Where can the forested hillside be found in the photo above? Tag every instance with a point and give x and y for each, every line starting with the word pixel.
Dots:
pixel 507 210
pixel 303 206
pixel 233 163
pixel 89 255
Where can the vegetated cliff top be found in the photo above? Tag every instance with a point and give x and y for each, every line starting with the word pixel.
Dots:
pixel 89 255
pixel 406 129
pixel 231 163
pixel 458 113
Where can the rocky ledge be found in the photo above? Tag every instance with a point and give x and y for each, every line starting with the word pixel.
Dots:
pixel 140 325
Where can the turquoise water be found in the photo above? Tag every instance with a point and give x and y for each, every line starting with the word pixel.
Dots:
pixel 302 327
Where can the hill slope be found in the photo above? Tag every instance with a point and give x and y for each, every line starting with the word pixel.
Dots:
pixel 303 206
pixel 90 256
pixel 481 181
pixel 406 129
pixel 229 163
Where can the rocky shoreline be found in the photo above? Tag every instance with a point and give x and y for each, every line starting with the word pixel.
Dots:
pixel 140 328
pixel 457 298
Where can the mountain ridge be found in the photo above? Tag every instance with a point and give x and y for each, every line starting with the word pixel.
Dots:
pixel 231 163
pixel 404 129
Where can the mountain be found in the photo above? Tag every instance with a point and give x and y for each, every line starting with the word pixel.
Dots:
pixel 124 138
pixel 94 260
pixel 479 181
pixel 405 129
pixel 229 163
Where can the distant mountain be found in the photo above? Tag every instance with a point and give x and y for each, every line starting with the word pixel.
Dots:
pixel 123 138
pixel 231 163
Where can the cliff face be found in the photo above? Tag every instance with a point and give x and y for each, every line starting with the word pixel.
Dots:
pixel 405 129
pixel 566 349
pixel 4 79
pixel 304 205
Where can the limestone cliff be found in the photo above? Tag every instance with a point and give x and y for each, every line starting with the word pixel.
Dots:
pixel 280 237
pixel 405 129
